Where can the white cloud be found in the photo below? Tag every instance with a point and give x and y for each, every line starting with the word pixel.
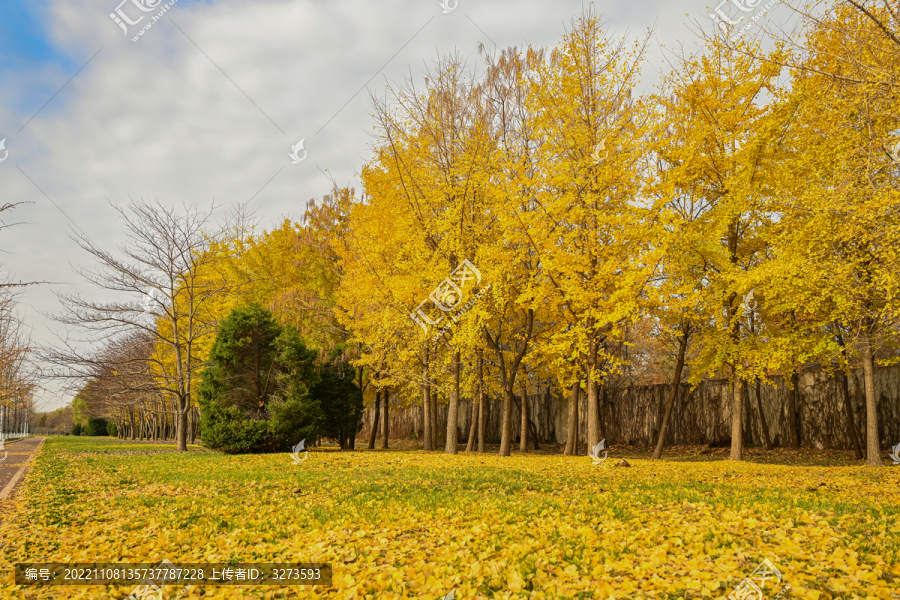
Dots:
pixel 156 118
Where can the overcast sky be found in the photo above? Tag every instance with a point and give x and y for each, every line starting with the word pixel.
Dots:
pixel 208 102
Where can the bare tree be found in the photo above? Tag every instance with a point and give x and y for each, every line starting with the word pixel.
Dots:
pixel 172 262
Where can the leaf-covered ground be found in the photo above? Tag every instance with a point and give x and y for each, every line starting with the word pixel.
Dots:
pixel 410 524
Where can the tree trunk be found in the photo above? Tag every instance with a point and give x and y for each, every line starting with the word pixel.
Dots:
pixel 748 417
pixel 737 410
pixel 794 401
pixel 873 439
pixel 427 443
pixel 572 435
pixel 434 421
pixel 470 442
pixel 481 407
pixel 506 422
pixel 762 418
pixel 593 417
pixel 523 441
pixel 428 434
pixel 451 447
pixel 387 421
pixel 676 384
pixel 377 413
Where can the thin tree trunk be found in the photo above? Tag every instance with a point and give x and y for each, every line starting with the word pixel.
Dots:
pixel 377 413
pixel 737 409
pixel 427 424
pixel 506 422
pixel 387 421
pixel 470 442
pixel 762 418
pixel 593 418
pixel 481 407
pixel 572 432
pixel 873 439
pixel 434 420
pixel 792 411
pixel 427 443
pixel 451 447
pixel 676 384
pixel 181 426
pixel 523 441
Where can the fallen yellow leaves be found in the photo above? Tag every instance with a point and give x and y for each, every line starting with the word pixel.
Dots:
pixel 519 527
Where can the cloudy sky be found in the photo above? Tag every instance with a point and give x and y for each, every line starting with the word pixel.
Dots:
pixel 205 106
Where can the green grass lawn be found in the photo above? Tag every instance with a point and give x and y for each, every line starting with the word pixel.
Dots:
pixel 410 524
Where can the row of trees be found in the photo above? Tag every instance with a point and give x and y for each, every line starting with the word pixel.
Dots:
pixel 543 222
pixel 745 213
pixel 18 379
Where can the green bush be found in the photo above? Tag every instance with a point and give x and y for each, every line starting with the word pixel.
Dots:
pixel 96 426
pixel 76 429
pixel 228 429
pixel 111 429
pixel 254 394
pixel 340 398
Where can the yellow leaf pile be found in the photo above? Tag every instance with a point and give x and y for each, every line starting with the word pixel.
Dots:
pixel 411 524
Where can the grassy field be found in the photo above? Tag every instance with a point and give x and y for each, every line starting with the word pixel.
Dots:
pixel 410 524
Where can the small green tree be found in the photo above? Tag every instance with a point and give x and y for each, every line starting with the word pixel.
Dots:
pixel 96 426
pixel 241 372
pixel 255 393
pixel 296 413
pixel 340 398
pixel 76 429
pixel 111 429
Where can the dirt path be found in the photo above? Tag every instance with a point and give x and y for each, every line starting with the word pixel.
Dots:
pixel 19 455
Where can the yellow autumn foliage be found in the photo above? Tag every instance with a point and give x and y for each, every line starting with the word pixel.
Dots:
pixel 411 524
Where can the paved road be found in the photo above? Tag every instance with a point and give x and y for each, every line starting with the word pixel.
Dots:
pixel 18 453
